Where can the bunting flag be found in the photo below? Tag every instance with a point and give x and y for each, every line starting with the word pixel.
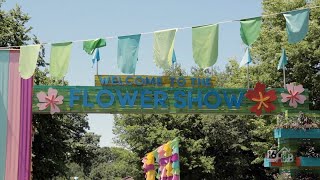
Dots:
pixel 250 30
pixel 128 48
pixel 90 45
pixel 28 60
pixel 96 56
pixel 283 60
pixel 174 58
pixel 205 45
pixel 15 119
pixel 297 23
pixel 59 59
pixel 163 48
pixel 246 58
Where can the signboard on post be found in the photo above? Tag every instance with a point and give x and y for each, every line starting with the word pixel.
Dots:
pixel 155 94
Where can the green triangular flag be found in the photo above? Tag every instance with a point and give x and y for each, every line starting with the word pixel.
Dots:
pixel 205 45
pixel 283 60
pixel 250 30
pixel 90 45
pixel 59 59
pixel 28 60
pixel 163 48
pixel 297 23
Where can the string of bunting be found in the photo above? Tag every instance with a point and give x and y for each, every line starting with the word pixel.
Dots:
pixel 205 47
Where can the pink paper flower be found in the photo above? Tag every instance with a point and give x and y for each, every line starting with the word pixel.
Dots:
pixel 49 100
pixel 294 95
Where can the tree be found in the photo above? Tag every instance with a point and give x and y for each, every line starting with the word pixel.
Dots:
pixel 13 31
pixel 114 164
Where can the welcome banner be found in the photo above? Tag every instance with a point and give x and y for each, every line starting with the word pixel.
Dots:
pixel 157 94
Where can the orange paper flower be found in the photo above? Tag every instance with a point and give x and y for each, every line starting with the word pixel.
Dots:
pixel 262 98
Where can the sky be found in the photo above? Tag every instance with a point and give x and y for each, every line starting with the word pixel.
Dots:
pixel 62 20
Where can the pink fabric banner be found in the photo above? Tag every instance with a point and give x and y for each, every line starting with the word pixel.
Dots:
pixel 24 171
pixel 13 126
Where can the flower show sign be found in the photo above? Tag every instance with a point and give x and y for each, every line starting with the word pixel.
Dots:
pixel 164 94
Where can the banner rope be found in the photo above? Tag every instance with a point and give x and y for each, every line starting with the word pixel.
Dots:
pixel 151 32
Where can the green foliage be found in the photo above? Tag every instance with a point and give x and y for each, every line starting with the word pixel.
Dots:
pixel 212 147
pixel 14 31
pixel 114 163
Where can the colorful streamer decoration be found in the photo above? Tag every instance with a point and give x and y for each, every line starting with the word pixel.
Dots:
pixel 167 157
pixel 205 45
pixel 294 97
pixel 297 23
pixel 148 166
pixel 15 119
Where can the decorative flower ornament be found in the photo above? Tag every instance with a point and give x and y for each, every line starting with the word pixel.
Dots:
pixel 49 100
pixel 294 95
pixel 262 98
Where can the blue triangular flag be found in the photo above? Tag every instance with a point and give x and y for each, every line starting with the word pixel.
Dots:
pixel 96 56
pixel 174 58
pixel 283 60
pixel 297 24
pixel 246 58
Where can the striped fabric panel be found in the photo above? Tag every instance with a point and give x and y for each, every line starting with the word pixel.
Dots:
pixel 4 76
pixel 24 171
pixel 13 126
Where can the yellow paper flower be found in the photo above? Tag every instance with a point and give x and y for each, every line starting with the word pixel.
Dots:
pixel 168 150
pixel 169 169
pixel 151 175
pixel 150 158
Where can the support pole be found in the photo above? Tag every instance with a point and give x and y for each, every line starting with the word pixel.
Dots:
pixel 248 75
pixel 284 77
pixel 97 67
